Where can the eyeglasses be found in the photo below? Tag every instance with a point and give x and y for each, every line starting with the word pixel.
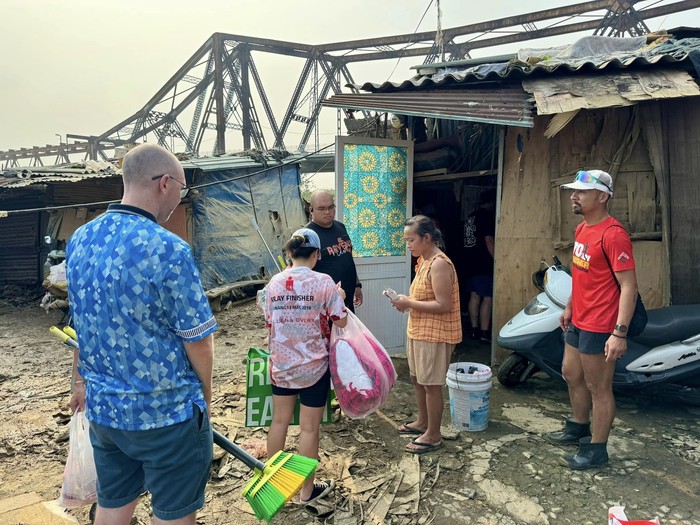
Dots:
pixel 584 176
pixel 324 209
pixel 185 189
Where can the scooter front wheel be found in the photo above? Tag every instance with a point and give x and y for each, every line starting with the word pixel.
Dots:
pixel 515 370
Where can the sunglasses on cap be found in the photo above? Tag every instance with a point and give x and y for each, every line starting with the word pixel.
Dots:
pixel 183 191
pixel 586 177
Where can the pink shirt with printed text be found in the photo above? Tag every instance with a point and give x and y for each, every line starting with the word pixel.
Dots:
pixel 298 303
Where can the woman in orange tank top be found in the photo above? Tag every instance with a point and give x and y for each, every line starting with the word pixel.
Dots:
pixel 434 328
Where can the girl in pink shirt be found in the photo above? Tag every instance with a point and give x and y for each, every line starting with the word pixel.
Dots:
pixel 298 304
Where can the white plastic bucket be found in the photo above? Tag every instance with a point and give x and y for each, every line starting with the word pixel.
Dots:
pixel 469 385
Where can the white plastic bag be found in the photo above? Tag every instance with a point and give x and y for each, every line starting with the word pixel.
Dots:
pixel 79 476
pixel 361 369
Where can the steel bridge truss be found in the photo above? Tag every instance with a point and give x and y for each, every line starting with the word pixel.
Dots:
pixel 220 88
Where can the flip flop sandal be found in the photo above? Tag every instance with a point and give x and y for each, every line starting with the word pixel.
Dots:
pixel 405 429
pixel 425 447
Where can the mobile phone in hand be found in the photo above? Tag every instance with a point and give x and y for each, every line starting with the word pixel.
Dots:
pixel 391 294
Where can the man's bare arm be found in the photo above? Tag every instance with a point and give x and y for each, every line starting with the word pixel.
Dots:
pixel 201 355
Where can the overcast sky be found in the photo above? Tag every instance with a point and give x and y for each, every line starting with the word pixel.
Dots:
pixel 82 66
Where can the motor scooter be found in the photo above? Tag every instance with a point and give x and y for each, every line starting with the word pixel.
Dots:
pixel 663 360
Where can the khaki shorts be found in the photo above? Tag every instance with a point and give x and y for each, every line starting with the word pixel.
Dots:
pixel 428 362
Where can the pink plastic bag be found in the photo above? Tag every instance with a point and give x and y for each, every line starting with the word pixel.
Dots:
pixel 616 516
pixel 361 369
pixel 79 476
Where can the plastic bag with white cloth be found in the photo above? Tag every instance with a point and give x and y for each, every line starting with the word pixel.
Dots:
pixel 362 372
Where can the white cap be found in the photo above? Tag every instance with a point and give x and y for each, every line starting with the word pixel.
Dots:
pixel 594 180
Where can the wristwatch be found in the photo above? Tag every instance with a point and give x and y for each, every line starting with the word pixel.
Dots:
pixel 358 285
pixel 622 328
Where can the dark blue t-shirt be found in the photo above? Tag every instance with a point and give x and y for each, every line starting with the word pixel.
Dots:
pixel 336 258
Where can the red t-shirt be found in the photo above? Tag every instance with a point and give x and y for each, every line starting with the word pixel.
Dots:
pixel 596 297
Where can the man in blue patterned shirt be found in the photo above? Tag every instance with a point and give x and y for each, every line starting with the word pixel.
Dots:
pixel 145 328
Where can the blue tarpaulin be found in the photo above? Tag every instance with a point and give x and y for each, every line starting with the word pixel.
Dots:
pixel 227 247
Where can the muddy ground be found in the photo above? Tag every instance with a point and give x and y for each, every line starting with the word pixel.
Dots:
pixel 507 474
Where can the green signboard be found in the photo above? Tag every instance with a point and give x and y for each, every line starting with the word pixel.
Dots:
pixel 258 406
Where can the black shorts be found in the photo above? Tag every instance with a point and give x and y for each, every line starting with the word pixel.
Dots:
pixel 481 285
pixel 586 342
pixel 313 396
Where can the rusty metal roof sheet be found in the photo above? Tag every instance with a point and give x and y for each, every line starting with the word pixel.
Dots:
pixel 508 105
pixel 240 161
pixel 74 172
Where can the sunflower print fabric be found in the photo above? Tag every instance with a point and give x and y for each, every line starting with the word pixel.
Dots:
pixel 375 182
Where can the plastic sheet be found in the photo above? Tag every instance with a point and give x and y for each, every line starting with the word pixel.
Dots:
pixel 361 369
pixel 227 247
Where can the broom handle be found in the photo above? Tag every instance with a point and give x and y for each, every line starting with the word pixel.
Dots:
pixel 237 452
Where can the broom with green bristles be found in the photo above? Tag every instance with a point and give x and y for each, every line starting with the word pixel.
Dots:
pixel 275 482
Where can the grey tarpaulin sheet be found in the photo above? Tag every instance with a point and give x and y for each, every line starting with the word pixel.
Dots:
pixel 227 248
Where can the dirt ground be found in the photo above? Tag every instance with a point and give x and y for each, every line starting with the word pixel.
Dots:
pixel 507 474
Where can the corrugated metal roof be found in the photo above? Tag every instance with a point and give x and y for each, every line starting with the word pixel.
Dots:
pixel 669 52
pixel 512 71
pixel 509 105
pixel 19 250
pixel 238 162
pixel 76 172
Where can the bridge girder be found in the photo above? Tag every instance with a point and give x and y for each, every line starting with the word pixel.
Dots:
pixel 219 87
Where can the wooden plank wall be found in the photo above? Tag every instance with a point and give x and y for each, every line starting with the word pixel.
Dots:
pixel 524 230
pixel 682 122
pixel 535 214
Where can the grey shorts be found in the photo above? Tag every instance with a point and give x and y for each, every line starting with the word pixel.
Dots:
pixel 586 342
pixel 172 463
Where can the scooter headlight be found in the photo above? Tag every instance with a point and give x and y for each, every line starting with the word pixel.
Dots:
pixel 535 307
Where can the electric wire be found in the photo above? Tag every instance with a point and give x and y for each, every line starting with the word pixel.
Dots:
pixel 411 41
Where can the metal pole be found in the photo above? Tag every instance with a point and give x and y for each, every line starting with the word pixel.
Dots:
pixel 257 228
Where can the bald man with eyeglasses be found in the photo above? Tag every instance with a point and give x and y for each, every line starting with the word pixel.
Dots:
pixel 336 247
pixel 143 373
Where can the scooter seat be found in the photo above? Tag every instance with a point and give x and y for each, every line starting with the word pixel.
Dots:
pixel 672 323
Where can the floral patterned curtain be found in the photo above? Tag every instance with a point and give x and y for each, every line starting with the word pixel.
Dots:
pixel 375 181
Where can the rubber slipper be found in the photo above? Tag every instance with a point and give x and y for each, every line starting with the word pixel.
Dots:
pixel 425 447
pixel 408 430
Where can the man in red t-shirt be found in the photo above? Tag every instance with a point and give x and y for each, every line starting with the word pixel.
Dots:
pixel 595 320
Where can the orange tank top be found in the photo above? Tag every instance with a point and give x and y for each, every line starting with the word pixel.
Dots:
pixel 431 327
